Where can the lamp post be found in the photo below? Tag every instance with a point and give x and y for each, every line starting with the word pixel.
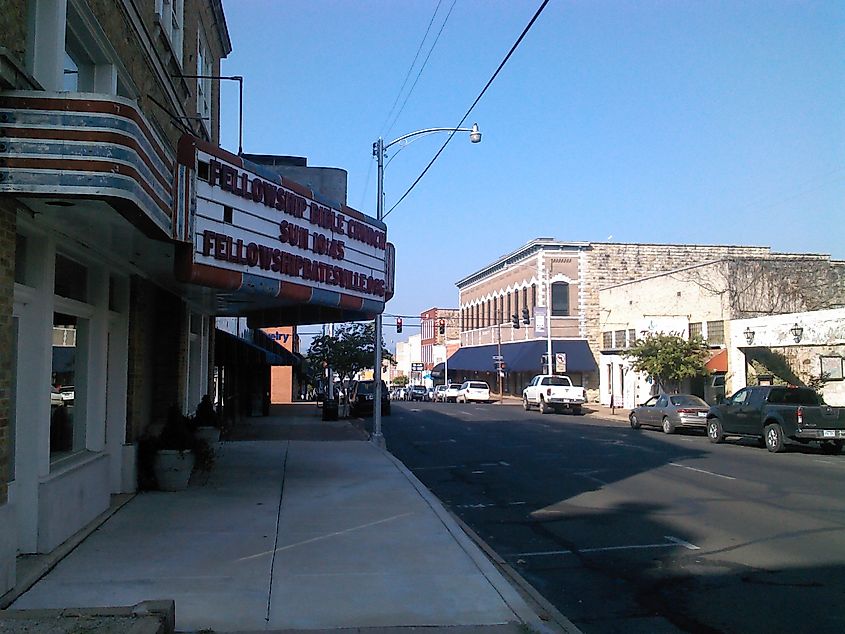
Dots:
pixel 378 151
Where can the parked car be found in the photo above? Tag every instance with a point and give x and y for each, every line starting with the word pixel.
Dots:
pixel 774 413
pixel 361 401
pixel 477 391
pixel 417 393
pixel 670 411
pixel 439 392
pixel 552 393
pixel 451 393
pixel 429 394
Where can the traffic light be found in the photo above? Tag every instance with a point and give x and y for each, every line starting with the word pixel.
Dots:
pixel 515 320
pixel 398 324
pixel 526 316
pixel 441 326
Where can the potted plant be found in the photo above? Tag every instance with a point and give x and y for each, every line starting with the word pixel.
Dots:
pixel 178 451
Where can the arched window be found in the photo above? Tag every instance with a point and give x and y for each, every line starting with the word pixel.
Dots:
pixel 560 299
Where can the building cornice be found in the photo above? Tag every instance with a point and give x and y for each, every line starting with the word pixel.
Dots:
pixel 524 252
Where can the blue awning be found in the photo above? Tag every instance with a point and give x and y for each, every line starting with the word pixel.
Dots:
pixel 524 356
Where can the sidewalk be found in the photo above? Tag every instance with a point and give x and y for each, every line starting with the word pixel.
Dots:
pixel 292 533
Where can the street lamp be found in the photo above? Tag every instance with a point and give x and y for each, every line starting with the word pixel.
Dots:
pixel 378 151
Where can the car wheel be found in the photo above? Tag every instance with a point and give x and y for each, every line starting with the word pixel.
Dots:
pixel 544 407
pixel 774 438
pixel 635 422
pixel 525 404
pixel 668 427
pixel 576 410
pixel 832 446
pixel 715 433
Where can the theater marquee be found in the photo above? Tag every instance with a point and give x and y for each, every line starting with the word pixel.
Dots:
pixel 254 231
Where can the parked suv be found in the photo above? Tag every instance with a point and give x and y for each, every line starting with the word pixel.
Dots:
pixel 417 393
pixel 477 391
pixel 361 401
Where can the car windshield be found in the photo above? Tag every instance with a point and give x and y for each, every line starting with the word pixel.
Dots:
pixel 454 386
pixel 418 388
pixel 478 386
pixel 687 400
pixel 364 387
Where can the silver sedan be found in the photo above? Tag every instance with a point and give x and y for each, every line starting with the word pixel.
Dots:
pixel 670 411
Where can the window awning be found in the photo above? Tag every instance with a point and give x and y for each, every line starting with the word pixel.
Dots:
pixel 227 344
pixel 718 362
pixel 523 356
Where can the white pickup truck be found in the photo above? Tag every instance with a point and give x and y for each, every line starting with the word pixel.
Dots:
pixel 550 393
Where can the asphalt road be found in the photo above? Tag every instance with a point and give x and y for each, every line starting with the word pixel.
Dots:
pixel 637 531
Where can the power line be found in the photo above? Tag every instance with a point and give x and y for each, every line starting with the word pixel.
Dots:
pixel 474 103
pixel 425 63
pixel 410 68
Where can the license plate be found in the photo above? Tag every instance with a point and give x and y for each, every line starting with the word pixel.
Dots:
pixel 702 414
pixel 829 433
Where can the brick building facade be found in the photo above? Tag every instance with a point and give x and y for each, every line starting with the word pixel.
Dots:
pixel 100 338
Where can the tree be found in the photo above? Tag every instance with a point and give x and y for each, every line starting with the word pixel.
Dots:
pixel 400 381
pixel 350 350
pixel 668 357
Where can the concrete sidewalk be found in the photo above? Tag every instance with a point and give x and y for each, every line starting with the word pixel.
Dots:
pixel 292 534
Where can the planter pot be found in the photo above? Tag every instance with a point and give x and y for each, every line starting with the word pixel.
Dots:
pixel 173 468
pixel 211 435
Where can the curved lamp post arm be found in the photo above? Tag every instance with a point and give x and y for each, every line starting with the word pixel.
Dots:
pixel 475 135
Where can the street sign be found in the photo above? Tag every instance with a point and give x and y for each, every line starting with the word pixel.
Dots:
pixel 560 362
pixel 497 357
pixel 417 367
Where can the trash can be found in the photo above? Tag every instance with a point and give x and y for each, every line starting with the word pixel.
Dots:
pixel 330 409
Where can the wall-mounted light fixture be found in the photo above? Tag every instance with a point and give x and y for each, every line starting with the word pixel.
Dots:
pixel 797 331
pixel 749 335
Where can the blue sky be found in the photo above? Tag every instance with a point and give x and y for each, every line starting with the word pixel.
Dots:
pixel 703 122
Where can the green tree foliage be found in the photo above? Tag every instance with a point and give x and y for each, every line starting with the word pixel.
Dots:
pixel 350 350
pixel 668 358
pixel 400 381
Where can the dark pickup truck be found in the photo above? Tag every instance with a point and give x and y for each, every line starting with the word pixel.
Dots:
pixel 775 413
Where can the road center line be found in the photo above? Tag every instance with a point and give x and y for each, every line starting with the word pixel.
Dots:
pixel 718 475
pixel 674 543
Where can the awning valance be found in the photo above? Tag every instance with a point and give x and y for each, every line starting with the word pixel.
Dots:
pixel 524 356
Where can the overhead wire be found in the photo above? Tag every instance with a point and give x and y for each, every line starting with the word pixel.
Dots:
pixel 472 107
pixel 410 68
pixel 422 68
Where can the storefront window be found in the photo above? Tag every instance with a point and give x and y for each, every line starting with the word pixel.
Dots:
pixel 71 279
pixel 20 259
pixel 67 420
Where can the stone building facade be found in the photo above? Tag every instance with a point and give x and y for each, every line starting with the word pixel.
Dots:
pixel 704 299
pixel 564 279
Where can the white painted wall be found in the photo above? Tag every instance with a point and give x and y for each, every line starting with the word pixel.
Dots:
pixel 823 333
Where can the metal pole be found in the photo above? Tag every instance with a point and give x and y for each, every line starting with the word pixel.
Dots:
pixel 378 438
pixel 499 372
pixel 549 320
